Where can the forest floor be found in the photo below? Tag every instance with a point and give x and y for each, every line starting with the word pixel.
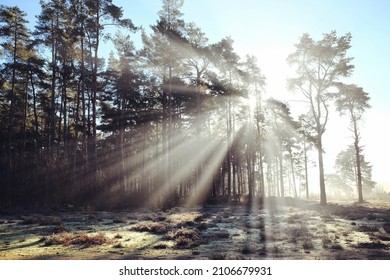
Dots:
pixel 279 229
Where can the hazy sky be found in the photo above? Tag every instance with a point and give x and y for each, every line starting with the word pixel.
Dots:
pixel 269 29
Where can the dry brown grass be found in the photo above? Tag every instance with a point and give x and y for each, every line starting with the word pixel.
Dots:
pixel 248 249
pixel 149 226
pixel 119 220
pixel 118 246
pixel 222 234
pixel 307 244
pixel 367 228
pixel 203 226
pixel 185 238
pixel 295 218
pixel 83 240
pixel 217 256
pixel 386 227
pixel 42 220
pixel 118 236
pixel 376 244
pixel 184 218
pixel 298 232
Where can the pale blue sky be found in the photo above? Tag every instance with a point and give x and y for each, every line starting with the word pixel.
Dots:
pixel 269 29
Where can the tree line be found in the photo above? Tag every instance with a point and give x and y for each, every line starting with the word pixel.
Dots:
pixel 177 120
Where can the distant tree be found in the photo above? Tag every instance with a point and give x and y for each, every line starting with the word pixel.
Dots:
pixel 353 101
pixel 306 139
pixel 338 185
pixel 346 169
pixel 281 137
pixel 319 65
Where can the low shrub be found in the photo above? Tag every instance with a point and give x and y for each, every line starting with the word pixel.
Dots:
pixel 185 238
pixel 83 240
pixel 149 226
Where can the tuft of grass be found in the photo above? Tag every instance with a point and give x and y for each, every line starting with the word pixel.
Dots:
pixel 118 236
pixel 297 233
pixel 145 218
pixel 386 227
pixel 30 220
pixel 327 218
pixel 50 220
pixel 371 217
pixel 376 244
pixel 222 234
pixel 263 252
pixel 119 220
pixel 205 215
pixel 118 246
pixel 149 226
pixel 160 247
pixel 366 228
pixel 42 239
pixel 185 238
pixel 185 242
pixel 184 218
pixel 217 256
pixel 217 220
pixel 161 218
pixel 307 244
pixel 203 226
pixel 59 229
pixel 294 218
pixel 83 240
pixel 199 218
pixel 384 237
pixel 275 249
pixel 248 249
pixel 255 225
pixel 336 246
pixel 326 242
pixel 42 220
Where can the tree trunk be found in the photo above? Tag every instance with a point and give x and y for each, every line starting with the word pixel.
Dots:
pixel 11 116
pixel 53 87
pixel 306 171
pixel 94 94
pixel 321 170
pixel 293 174
pixel 281 174
pixel 358 162
pixel 36 122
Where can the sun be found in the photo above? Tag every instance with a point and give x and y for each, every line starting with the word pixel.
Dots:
pixel 252 103
pixel 273 64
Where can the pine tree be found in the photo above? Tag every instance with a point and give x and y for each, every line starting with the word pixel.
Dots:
pixel 319 66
